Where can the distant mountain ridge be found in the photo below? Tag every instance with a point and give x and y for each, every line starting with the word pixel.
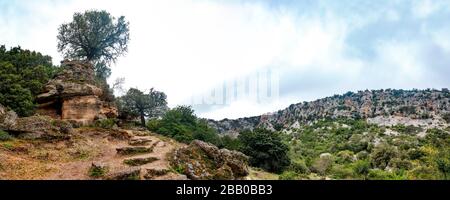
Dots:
pixel 428 107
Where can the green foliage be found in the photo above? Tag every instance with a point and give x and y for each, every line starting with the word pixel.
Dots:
pixel 23 74
pixel 105 123
pixel 377 174
pixel 396 157
pixel 4 136
pixel 266 149
pixel 95 36
pixel 361 168
pixel 97 172
pixel 139 104
pixel 381 155
pixel 299 166
pixel 341 172
pixel 288 175
pixel 322 165
pixel 230 143
pixel 181 124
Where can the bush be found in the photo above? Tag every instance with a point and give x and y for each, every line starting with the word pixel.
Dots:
pixel 378 174
pixel 181 124
pixel 105 123
pixel 341 172
pixel 4 136
pixel 362 155
pixel 322 165
pixel 288 175
pixel 344 157
pixel 266 149
pixel 230 143
pixel 361 168
pixel 423 173
pixel 381 155
pixel 153 124
pixel 299 166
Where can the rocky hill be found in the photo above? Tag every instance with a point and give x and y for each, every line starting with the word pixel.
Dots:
pixel 429 108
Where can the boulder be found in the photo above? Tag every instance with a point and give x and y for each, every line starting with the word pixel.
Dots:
pixel 8 118
pixel 204 161
pixel 41 127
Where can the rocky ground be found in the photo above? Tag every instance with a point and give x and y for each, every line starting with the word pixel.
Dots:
pixel 90 153
pixel 105 154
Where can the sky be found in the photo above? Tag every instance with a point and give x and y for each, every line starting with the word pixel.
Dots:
pixel 235 58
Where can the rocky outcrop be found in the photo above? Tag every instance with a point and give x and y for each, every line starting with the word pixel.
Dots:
pixel 73 95
pixel 8 118
pixel 375 106
pixel 204 161
pixel 34 127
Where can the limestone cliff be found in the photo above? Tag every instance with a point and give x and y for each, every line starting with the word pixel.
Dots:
pixel 384 107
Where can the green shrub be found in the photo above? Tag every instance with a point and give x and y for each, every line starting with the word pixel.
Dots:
pixel 299 166
pixel 381 155
pixel 230 143
pixel 378 174
pixel 341 172
pixel 423 173
pixel 362 155
pixel 266 149
pixel 361 168
pixel 105 123
pixel 344 157
pixel 322 165
pixel 183 125
pixel 288 175
pixel 153 125
pixel 4 136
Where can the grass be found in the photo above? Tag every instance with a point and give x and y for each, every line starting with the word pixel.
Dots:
pixel 4 136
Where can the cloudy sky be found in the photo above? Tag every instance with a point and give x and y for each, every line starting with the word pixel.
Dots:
pixel 317 48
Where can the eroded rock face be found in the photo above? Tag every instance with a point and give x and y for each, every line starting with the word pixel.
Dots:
pixel 204 161
pixel 74 96
pixel 34 127
pixel 8 118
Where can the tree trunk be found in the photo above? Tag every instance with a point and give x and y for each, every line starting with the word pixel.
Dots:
pixel 143 119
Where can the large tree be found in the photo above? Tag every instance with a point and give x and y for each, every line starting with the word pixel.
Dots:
pixel 139 104
pixel 265 148
pixel 94 36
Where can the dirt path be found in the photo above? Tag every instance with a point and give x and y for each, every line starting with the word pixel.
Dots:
pixel 74 159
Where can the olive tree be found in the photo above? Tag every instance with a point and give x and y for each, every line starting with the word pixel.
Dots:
pixel 94 36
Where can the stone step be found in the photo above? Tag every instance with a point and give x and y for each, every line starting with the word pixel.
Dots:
pixel 133 150
pixel 153 173
pixel 139 141
pixel 139 161
pixel 133 173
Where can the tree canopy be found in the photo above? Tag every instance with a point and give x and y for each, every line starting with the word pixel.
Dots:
pixel 95 36
pixel 23 74
pixel 136 103
pixel 265 148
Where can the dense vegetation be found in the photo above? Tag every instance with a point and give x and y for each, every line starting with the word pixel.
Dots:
pixel 23 74
pixel 353 149
pixel 181 124
pixel 265 148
